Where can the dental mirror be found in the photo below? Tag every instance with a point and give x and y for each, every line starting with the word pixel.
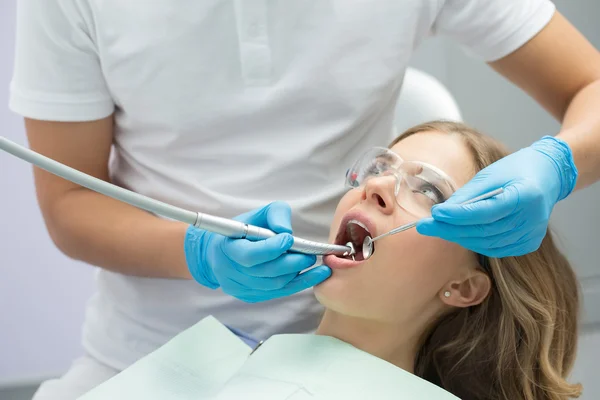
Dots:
pixel 368 249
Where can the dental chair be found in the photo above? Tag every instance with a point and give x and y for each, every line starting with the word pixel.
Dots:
pixel 423 98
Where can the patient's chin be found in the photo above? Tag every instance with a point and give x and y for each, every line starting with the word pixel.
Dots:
pixel 332 290
pixel 342 295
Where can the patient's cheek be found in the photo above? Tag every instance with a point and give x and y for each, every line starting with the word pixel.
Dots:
pixel 441 259
pixel 433 247
pixel 410 243
pixel 414 257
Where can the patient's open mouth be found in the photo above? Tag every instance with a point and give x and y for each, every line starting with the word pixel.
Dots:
pixel 353 229
pixel 355 233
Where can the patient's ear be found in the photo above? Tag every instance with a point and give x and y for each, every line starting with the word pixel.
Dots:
pixel 468 291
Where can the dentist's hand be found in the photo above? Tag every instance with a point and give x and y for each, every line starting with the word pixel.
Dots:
pixel 515 222
pixel 253 271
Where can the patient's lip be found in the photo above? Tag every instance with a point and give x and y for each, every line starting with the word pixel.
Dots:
pixel 335 262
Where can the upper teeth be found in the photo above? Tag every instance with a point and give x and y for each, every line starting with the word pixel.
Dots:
pixel 351 229
pixel 353 221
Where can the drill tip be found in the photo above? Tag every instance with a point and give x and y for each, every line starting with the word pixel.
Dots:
pixel 352 250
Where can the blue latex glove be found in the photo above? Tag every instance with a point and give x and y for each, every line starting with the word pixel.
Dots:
pixel 513 223
pixel 253 271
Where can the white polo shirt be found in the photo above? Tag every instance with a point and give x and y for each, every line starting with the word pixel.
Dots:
pixel 223 106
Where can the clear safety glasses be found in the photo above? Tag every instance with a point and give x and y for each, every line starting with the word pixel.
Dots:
pixel 417 186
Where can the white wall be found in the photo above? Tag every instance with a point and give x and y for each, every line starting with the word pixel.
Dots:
pixel 43 294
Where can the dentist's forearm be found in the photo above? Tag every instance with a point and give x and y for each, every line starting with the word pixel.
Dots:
pixel 104 232
pixel 581 130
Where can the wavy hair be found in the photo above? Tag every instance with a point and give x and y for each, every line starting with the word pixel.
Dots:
pixel 520 343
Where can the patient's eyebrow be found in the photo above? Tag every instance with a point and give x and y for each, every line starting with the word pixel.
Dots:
pixel 414 168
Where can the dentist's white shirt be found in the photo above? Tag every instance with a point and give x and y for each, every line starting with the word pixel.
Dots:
pixel 225 106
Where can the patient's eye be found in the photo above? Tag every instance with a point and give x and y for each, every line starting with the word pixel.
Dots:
pixel 430 191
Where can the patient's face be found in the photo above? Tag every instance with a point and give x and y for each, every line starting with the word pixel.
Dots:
pixel 407 272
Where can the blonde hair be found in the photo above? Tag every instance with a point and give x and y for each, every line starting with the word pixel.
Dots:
pixel 521 341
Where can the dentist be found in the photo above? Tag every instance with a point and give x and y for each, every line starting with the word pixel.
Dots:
pixel 223 106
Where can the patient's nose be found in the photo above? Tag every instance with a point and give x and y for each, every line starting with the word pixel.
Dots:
pixel 381 192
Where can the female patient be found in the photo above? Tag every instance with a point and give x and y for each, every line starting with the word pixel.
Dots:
pixel 480 328
pixel 497 329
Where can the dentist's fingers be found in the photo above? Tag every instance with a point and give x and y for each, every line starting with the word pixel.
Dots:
pixel 249 253
pixel 289 263
pixel 301 282
pixel 242 282
pixel 451 232
pixel 276 216
pixel 481 212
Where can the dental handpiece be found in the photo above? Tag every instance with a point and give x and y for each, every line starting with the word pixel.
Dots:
pixel 222 226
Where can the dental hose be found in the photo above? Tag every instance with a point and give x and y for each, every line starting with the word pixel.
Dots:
pixel 222 226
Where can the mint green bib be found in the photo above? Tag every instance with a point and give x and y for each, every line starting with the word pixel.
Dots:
pixel 207 361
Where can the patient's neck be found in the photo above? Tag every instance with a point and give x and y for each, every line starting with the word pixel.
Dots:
pixel 393 343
